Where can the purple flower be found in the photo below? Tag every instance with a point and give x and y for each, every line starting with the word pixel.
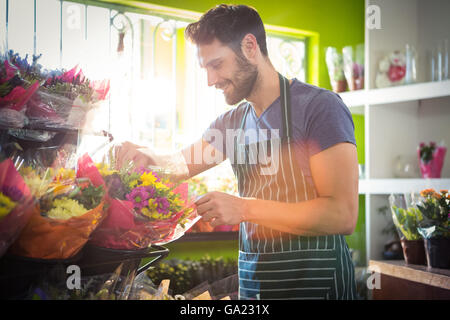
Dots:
pixel 139 197
pixel 12 192
pixel 151 191
pixel 162 205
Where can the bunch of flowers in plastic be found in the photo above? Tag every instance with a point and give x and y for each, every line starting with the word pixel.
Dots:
pixel 435 208
pixel 70 197
pixel 32 95
pixel 151 194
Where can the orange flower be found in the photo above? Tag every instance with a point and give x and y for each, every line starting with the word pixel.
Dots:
pixel 443 191
pixel 426 192
pixel 437 196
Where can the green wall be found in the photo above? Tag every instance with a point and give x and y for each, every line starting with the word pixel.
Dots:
pixel 338 23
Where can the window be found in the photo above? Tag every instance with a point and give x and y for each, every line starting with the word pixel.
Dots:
pixel 159 96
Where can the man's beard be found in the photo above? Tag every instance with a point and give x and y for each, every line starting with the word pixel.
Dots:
pixel 243 81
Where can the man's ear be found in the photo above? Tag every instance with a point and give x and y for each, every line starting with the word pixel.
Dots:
pixel 249 46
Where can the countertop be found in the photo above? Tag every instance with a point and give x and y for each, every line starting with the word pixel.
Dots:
pixel 422 274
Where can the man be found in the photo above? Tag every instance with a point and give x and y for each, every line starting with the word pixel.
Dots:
pixel 294 215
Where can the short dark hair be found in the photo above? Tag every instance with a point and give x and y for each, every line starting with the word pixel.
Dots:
pixel 229 24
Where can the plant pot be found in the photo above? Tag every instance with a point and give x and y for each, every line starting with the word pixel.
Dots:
pixel 414 251
pixel 438 253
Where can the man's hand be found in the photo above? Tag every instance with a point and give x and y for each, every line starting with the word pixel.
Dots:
pixel 128 152
pixel 220 208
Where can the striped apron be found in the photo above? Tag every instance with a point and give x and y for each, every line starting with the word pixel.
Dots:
pixel 278 265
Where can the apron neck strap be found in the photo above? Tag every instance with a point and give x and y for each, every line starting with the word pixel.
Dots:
pixel 285 100
pixel 285 106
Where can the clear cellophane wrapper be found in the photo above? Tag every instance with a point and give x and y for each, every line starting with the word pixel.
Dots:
pixel 54 111
pixel 125 226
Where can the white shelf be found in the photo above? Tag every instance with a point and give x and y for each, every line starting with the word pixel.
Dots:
pixel 417 91
pixel 354 98
pixel 388 186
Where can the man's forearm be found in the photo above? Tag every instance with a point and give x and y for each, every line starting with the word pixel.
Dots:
pixel 320 216
pixel 173 164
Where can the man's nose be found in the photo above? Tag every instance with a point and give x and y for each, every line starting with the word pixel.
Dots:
pixel 212 78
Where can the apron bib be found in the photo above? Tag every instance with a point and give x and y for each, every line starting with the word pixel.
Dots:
pixel 274 264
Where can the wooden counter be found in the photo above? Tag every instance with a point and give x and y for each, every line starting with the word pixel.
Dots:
pixel 401 281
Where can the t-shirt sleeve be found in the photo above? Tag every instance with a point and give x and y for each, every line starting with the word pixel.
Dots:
pixel 220 133
pixel 215 133
pixel 328 122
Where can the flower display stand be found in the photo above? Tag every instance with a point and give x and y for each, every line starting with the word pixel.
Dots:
pixel 97 260
pixel 19 274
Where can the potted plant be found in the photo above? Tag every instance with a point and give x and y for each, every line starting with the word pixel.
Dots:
pixel 435 226
pixel 406 219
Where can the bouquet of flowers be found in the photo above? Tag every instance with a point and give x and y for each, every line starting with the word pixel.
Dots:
pixel 431 159
pixel 435 208
pixel 65 217
pixel 17 203
pixel 44 99
pixel 145 208
pixel 15 92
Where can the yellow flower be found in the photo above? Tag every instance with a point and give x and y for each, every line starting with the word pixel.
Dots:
pixel 104 170
pixel 6 205
pixel 66 208
pixel 133 184
pixel 148 179
pixel 65 174
pixel 152 204
pixel 176 202
pixel 146 212
pixel 37 183
pixel 161 186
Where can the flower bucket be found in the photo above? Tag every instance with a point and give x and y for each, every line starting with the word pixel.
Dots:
pixel 433 167
pixel 438 252
pixel 414 251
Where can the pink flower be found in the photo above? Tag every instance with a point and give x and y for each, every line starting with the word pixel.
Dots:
pixel 101 88
pixel 11 69
pixel 19 96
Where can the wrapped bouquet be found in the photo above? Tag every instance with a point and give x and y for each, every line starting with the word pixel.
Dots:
pixel 17 203
pixel 145 208
pixel 435 208
pixel 42 99
pixel 65 217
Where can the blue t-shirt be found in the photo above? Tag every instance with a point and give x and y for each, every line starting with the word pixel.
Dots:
pixel 319 120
